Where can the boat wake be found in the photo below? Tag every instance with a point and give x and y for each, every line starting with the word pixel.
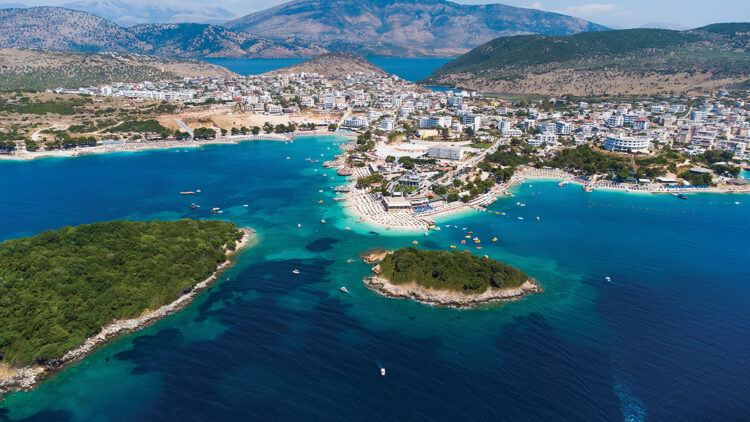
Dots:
pixel 633 409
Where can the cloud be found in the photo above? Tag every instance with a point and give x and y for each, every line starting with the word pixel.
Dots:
pixel 589 10
pixel 535 5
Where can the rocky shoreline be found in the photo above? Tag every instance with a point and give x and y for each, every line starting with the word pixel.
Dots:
pixel 444 298
pixel 28 377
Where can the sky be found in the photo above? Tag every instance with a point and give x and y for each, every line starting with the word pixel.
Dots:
pixel 681 14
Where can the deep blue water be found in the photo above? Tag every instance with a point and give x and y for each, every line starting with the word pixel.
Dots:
pixel 409 69
pixel 667 339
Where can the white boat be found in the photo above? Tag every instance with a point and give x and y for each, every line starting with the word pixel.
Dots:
pixel 537 219
pixel 608 279
pixel 520 218
pixel 295 271
pixel 299 225
pixel 382 372
pixel 245 205
pixel 323 221
pixel 343 289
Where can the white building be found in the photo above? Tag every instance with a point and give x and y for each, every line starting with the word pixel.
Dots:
pixel 433 121
pixel 356 121
pixel 616 121
pixel 472 121
pixel 626 144
pixel 511 132
pixel 387 125
pixel 563 128
pixel 447 153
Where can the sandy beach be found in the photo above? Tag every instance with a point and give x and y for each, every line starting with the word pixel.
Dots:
pixel 28 377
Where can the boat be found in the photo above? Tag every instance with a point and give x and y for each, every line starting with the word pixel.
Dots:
pixel 415 243
pixel 467 236
pixel 463 242
pixel 245 205
pixel 215 210
pixel 189 192
pixel 680 195
pixel 453 246
pixel 299 225
pixel 537 219
pixel 520 218
pixel 509 194
pixel 194 205
pixel 347 228
pixel 343 289
pixel 479 247
pixel 323 221
pixel 197 191
pixel 382 372
pixel 502 213
pixel 494 239
pixel 350 261
pixel 736 203
pixel 608 279
pixel 295 271
pixel 287 158
pixel 320 202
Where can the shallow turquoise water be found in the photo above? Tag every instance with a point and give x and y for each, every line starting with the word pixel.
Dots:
pixel 667 339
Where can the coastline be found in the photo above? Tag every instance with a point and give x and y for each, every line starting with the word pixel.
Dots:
pixel 28 377
pixel 159 145
pixel 362 206
pixel 448 299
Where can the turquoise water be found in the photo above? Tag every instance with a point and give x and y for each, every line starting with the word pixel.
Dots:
pixel 667 339
pixel 409 69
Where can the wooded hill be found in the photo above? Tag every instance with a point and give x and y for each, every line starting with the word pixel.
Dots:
pixel 633 61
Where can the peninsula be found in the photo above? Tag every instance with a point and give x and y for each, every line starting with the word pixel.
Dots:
pixel 63 292
pixel 448 278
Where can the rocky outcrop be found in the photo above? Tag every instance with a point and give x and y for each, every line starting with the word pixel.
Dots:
pixel 446 298
pixel 373 256
pixel 25 378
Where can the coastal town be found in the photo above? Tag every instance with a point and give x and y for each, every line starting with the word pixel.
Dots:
pixel 414 152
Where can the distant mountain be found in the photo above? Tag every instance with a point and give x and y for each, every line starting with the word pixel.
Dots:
pixel 437 28
pixel 335 64
pixel 634 61
pixel 134 12
pixel 55 28
pixel 662 25
pixel 39 70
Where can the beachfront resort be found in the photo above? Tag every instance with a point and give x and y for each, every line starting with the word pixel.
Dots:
pixel 412 153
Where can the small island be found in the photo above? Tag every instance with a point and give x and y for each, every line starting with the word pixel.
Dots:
pixel 63 292
pixel 448 278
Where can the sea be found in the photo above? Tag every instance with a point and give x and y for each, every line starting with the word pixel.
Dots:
pixel 667 338
pixel 410 69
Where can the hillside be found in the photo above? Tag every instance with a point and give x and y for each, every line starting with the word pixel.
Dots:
pixel 135 12
pixel 333 65
pixel 403 28
pixel 55 28
pixel 39 70
pixel 636 61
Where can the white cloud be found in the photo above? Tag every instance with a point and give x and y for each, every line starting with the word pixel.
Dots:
pixel 589 10
pixel 535 5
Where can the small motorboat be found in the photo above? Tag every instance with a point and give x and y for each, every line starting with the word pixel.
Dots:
pixel 415 243
pixel 197 191
pixel 537 219
pixel 463 242
pixel 343 289
pixel 320 201
pixel 494 239
pixel 323 221
pixel 194 205
pixel 479 247
pixel 299 225
pixel 382 372
pixel 347 228
pixel 187 193
pixel 245 205
pixel 350 261
pixel 453 246
pixel 502 213
pixel 608 279
pixel 295 271
pixel 520 218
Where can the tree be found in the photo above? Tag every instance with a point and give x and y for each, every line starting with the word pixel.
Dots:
pixel 390 159
pixel 333 127
pixel 224 132
pixel 256 130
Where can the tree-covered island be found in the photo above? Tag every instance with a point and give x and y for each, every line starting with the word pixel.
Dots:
pixel 59 288
pixel 448 278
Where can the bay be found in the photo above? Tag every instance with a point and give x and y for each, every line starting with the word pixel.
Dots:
pixel 666 339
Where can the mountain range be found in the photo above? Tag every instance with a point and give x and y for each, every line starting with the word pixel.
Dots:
pixel 134 12
pixel 337 65
pixel 301 28
pixel 403 28
pixel 55 28
pixel 634 61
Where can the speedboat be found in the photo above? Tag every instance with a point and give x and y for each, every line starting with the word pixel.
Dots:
pixel 520 218
pixel 382 372
pixel 608 279
pixel 537 219
pixel 194 205
pixel 343 289
pixel 494 239
pixel 299 225
pixel 323 221
pixel 295 271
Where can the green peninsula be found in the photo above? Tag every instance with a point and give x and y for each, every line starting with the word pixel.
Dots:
pixel 60 287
